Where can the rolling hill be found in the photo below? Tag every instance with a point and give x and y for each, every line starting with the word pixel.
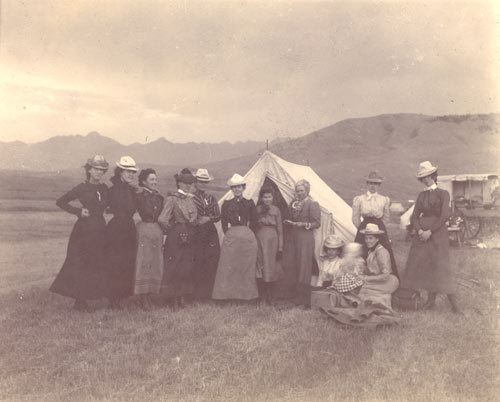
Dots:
pixel 342 154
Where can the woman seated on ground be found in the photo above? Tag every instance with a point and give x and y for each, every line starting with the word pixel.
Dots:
pixel 330 260
pixel 379 279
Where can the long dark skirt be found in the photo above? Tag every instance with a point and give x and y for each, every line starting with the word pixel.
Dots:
pixel 384 240
pixel 81 276
pixel 178 261
pixel 120 258
pixel 206 258
pixel 428 266
pixel 299 264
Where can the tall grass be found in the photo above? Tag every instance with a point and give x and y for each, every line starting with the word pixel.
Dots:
pixel 238 353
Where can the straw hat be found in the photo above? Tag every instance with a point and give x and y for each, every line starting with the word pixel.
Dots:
pixel 127 163
pixel 236 180
pixel 374 177
pixel 333 241
pixel 203 175
pixel 426 169
pixel 98 162
pixel 371 229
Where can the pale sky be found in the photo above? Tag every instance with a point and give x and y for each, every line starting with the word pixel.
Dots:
pixel 228 71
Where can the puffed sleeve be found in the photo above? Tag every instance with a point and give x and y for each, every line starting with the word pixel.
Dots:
pixel 386 218
pixel 223 217
pixel 215 215
pixel 416 213
pixel 445 211
pixel 279 228
pixel 64 201
pixel 315 215
pixel 166 213
pixel 383 260
pixel 356 211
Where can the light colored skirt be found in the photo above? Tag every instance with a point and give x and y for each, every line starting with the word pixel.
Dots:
pixel 149 260
pixel 268 269
pixel 379 292
pixel 235 277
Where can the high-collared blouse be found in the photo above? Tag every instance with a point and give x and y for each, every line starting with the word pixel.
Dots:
pixel 238 212
pixel 93 197
pixel 307 211
pixel 378 261
pixel 370 205
pixel 149 205
pixel 207 205
pixel 178 208
pixel 432 203
pixel 271 216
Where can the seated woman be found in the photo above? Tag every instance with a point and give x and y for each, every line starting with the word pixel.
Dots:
pixel 379 280
pixel 330 260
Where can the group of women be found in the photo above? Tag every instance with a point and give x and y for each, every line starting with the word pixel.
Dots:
pixel 174 249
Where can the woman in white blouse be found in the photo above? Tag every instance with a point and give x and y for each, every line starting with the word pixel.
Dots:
pixel 373 207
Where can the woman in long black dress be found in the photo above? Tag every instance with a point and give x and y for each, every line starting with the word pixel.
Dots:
pixel 121 233
pixel 428 266
pixel 81 276
pixel 206 238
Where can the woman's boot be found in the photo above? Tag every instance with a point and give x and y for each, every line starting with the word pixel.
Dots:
pixel 430 304
pixel 454 304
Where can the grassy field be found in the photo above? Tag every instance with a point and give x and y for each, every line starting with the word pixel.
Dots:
pixel 231 353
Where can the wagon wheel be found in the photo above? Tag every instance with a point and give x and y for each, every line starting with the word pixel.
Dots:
pixel 471 227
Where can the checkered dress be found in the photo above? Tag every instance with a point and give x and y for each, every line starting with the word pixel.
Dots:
pixel 346 283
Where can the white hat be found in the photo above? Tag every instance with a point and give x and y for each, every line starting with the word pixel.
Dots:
pixel 236 180
pixel 127 163
pixel 371 229
pixel 203 175
pixel 333 241
pixel 426 169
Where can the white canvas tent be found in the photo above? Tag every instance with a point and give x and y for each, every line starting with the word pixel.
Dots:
pixel 335 212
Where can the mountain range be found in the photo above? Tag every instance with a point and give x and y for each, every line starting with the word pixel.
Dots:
pixel 342 154
pixel 62 152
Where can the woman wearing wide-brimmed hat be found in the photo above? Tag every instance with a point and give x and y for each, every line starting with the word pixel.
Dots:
pixel 81 276
pixel 178 220
pixel 428 265
pixel 121 233
pixel 380 280
pixel 206 238
pixel 298 256
pixel 236 271
pixel 373 207
pixel 149 259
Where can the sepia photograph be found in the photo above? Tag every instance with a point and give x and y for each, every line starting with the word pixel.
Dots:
pixel 249 200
